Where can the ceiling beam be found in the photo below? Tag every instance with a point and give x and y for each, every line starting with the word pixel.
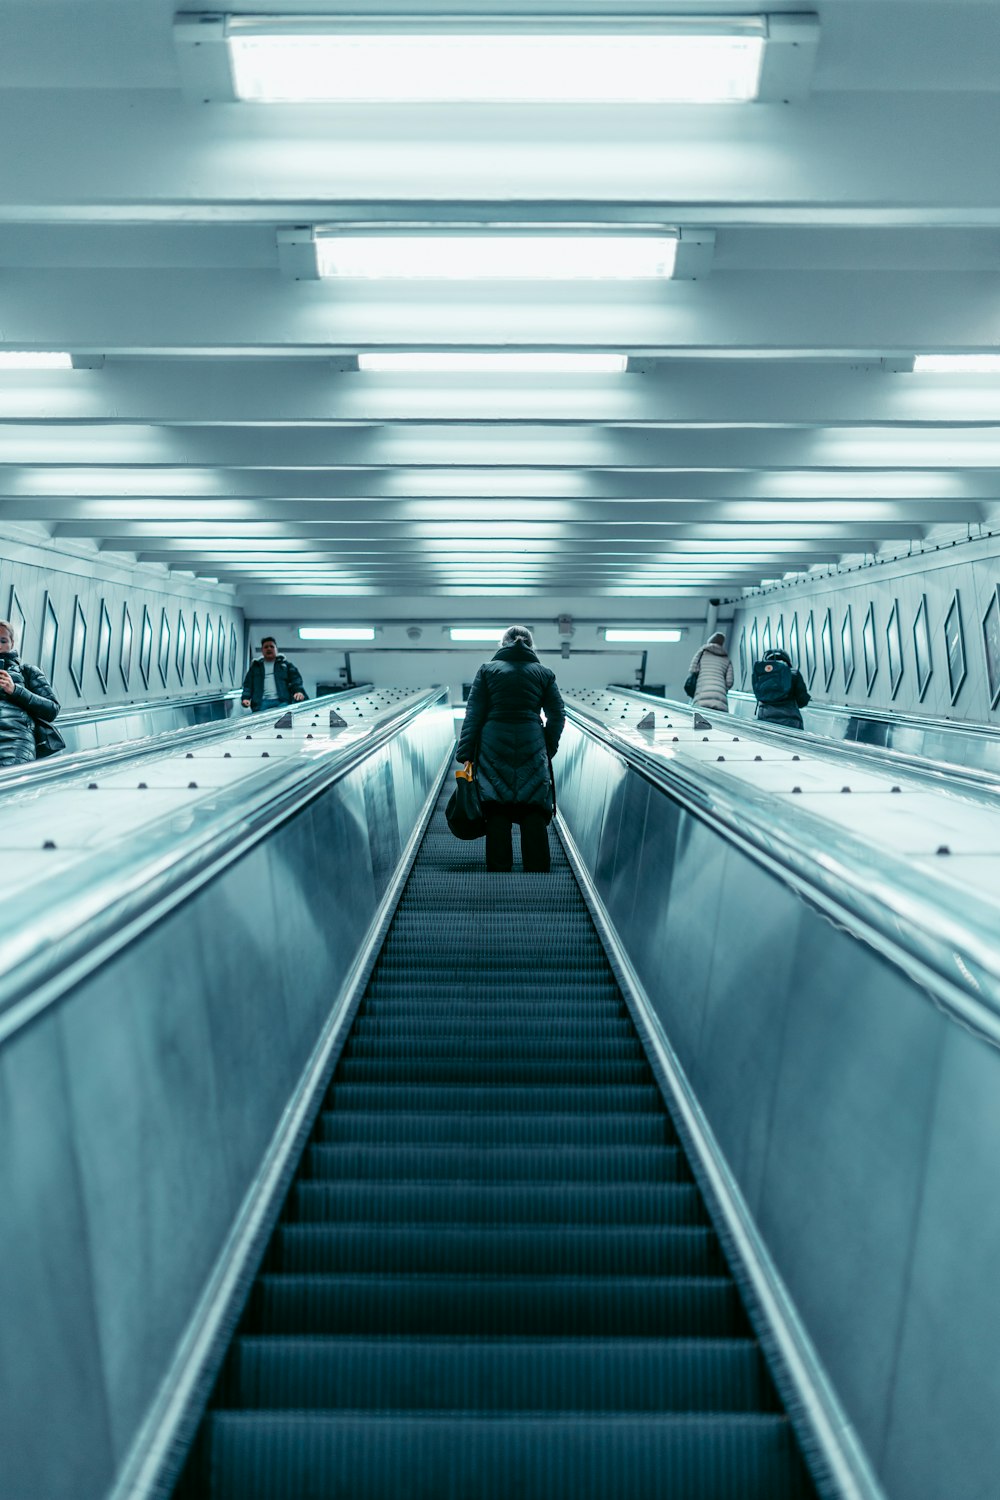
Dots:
pixel 40 495
pixel 302 393
pixel 453 445
pixel 135 155
pixel 217 312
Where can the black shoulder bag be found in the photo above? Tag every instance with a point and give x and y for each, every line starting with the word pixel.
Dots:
pixel 464 812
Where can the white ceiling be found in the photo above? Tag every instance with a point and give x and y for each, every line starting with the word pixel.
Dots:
pixel 756 432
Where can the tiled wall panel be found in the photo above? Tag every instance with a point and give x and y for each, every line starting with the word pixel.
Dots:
pixel 30 573
pixel 973 571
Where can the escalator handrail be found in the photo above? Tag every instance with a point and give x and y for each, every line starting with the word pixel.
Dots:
pixel 163 742
pixel 943 937
pixel 102 713
pixel 939 774
pixel 989 732
pixel 98 905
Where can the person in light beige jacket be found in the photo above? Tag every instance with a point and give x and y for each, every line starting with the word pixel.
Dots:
pixel 715 675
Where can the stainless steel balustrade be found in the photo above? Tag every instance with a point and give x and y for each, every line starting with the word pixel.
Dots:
pixel 945 935
pixel 952 742
pixel 840 1036
pixel 90 728
pixel 157 1017
pixel 109 736
pixel 940 771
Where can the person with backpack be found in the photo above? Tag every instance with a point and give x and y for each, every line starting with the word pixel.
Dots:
pixel 780 690
pixel 710 675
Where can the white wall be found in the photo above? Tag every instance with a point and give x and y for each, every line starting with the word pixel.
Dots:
pixel 49 580
pixel 970 569
pixel 396 661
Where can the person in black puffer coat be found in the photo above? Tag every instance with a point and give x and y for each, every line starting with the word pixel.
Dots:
pixel 503 734
pixel 787 710
pixel 25 695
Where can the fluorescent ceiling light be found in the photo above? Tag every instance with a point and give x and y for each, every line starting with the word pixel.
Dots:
pixel 336 632
pixel 957 364
pixel 493 364
pixel 300 59
pixel 475 633
pixel 16 359
pixel 643 635
pixel 508 256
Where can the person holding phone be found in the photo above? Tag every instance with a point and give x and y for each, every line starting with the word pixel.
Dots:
pixel 25 700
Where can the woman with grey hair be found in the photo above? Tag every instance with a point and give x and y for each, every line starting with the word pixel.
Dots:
pixel 25 698
pixel 504 735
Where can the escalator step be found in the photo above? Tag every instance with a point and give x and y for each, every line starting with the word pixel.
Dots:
pixel 494 1277
pixel 657 1307
pixel 501 1163
pixel 487 1049
pixel 485 996
pixel 535 1374
pixel 496 1203
pixel 494 1129
pixel 523 1071
pixel 529 1024
pixel 503 1098
pixel 272 1456
pixel 467 1250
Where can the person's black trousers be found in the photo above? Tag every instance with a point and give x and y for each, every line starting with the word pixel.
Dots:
pixel 534 836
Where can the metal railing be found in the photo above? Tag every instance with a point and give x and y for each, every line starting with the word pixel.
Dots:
pixel 936 775
pixel 944 937
pixel 95 907
pixel 71 762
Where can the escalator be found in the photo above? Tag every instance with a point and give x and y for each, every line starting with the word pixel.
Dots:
pixel 494 1275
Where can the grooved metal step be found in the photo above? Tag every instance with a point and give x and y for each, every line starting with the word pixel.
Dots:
pixel 494 1277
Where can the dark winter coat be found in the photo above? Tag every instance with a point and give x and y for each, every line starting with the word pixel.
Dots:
pixel 31 699
pixel 287 681
pixel 785 711
pixel 503 733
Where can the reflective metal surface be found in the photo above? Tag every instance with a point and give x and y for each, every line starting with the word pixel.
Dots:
pixel 859 1120
pixel 976 746
pixel 91 727
pixel 129 721
pixel 862 854
pixel 915 749
pixel 139 1102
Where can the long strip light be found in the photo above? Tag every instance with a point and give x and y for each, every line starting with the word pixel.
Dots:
pixel 527 363
pixel 309 59
pixel 22 359
pixel 475 633
pixel 956 364
pixel 336 632
pixel 502 256
pixel 651 636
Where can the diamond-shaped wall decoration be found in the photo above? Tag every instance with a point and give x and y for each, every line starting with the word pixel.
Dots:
pixel 103 662
pixel 49 640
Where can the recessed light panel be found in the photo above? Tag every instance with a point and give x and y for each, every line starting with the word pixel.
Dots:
pixel 493 364
pixel 507 256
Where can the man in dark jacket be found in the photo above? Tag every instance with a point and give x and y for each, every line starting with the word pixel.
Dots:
pixel 272 679
pixel 25 696
pixel 504 735
pixel 781 707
